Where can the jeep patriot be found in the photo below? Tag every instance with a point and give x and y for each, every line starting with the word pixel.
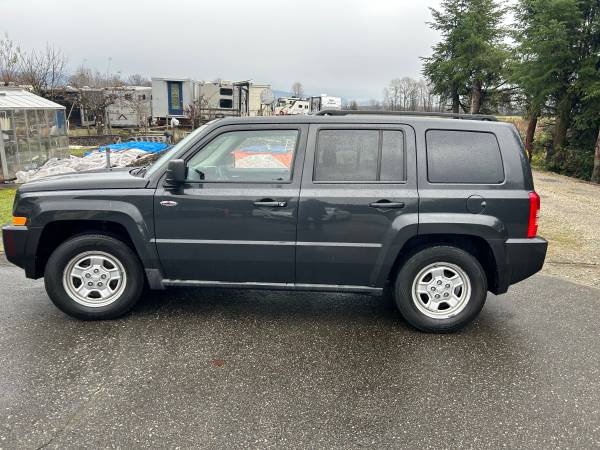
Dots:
pixel 438 208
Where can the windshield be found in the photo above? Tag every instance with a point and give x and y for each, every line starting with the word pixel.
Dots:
pixel 164 159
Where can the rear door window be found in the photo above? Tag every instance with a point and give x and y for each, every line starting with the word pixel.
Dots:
pixel 360 156
pixel 463 157
pixel 393 167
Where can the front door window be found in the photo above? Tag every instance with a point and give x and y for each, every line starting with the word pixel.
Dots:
pixel 246 156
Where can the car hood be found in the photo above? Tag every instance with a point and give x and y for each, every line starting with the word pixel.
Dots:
pixel 92 179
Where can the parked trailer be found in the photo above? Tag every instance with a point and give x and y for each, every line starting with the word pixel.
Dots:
pixel 325 101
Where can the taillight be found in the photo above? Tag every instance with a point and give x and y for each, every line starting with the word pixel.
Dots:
pixel 534 213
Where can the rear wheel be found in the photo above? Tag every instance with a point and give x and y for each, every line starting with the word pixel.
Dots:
pixel 94 277
pixel 440 289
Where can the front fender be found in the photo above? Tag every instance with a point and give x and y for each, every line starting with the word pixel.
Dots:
pixel 135 215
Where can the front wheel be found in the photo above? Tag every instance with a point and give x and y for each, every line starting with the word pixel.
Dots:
pixel 94 277
pixel 440 289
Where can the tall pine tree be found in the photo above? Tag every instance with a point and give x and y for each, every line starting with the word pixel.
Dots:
pixel 545 56
pixel 470 59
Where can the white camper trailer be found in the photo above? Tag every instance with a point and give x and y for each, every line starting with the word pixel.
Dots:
pixel 131 106
pixel 171 97
pixel 292 106
pixel 325 101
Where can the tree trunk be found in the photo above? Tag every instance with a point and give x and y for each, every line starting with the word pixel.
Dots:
pixel 530 136
pixel 476 97
pixel 596 171
pixel 555 154
pixel 455 101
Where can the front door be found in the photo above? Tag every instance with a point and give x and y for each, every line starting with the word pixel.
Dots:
pixel 235 219
pixel 358 204
pixel 175 97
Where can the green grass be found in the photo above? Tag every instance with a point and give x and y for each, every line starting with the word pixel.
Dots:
pixel 6 203
pixel 79 152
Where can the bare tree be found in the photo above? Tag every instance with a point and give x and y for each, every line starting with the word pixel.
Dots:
pixel 95 103
pixel 81 77
pixel 406 88
pixel 425 95
pixel 86 77
pixel 352 105
pixel 374 104
pixel 44 70
pixel 409 94
pixel 297 89
pixel 392 96
pixel 195 110
pixel 10 56
pixel 138 80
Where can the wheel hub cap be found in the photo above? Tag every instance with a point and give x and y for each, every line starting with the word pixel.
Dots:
pixel 94 279
pixel 441 290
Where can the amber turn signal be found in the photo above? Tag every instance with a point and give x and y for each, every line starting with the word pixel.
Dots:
pixel 19 220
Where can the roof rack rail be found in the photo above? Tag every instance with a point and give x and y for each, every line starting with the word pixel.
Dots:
pixel 335 112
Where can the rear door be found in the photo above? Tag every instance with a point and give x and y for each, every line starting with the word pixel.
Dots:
pixel 358 201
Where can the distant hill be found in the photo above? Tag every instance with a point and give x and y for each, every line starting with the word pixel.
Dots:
pixel 278 93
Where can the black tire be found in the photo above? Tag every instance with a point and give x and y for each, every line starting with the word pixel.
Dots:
pixel 423 259
pixel 70 249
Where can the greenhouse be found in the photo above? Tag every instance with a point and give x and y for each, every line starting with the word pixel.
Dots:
pixel 32 130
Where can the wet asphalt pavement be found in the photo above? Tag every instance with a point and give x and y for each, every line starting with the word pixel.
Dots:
pixel 259 369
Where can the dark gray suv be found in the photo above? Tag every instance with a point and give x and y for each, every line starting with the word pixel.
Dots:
pixel 438 209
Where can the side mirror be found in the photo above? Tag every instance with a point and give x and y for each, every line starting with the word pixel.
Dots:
pixel 176 172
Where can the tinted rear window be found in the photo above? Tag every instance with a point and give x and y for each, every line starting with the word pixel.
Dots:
pixel 347 155
pixel 463 157
pixel 360 156
pixel 392 156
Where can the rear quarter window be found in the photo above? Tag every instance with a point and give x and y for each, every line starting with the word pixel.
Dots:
pixel 463 157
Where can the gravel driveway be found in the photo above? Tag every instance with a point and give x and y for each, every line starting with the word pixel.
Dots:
pixel 570 220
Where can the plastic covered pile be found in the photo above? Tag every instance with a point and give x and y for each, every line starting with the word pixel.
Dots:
pixel 121 155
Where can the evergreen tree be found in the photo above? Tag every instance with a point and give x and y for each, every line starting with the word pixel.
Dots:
pixel 470 59
pixel 558 68
pixel 545 57
pixel 586 89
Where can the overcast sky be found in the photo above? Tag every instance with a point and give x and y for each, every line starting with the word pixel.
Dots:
pixel 341 47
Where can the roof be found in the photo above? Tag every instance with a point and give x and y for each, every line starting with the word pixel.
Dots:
pixel 416 120
pixel 170 79
pixel 20 99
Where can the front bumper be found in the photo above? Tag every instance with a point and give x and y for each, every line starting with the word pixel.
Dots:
pixel 525 257
pixel 15 244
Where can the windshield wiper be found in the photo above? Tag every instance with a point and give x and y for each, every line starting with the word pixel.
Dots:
pixel 140 171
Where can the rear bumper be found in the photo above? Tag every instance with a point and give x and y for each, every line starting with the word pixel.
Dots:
pixel 525 257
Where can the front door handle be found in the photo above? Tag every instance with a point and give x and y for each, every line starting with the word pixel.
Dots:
pixel 386 204
pixel 270 203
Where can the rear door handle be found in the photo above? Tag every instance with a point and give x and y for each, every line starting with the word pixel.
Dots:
pixel 385 204
pixel 270 203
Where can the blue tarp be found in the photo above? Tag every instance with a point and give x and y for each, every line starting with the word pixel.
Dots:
pixel 150 147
